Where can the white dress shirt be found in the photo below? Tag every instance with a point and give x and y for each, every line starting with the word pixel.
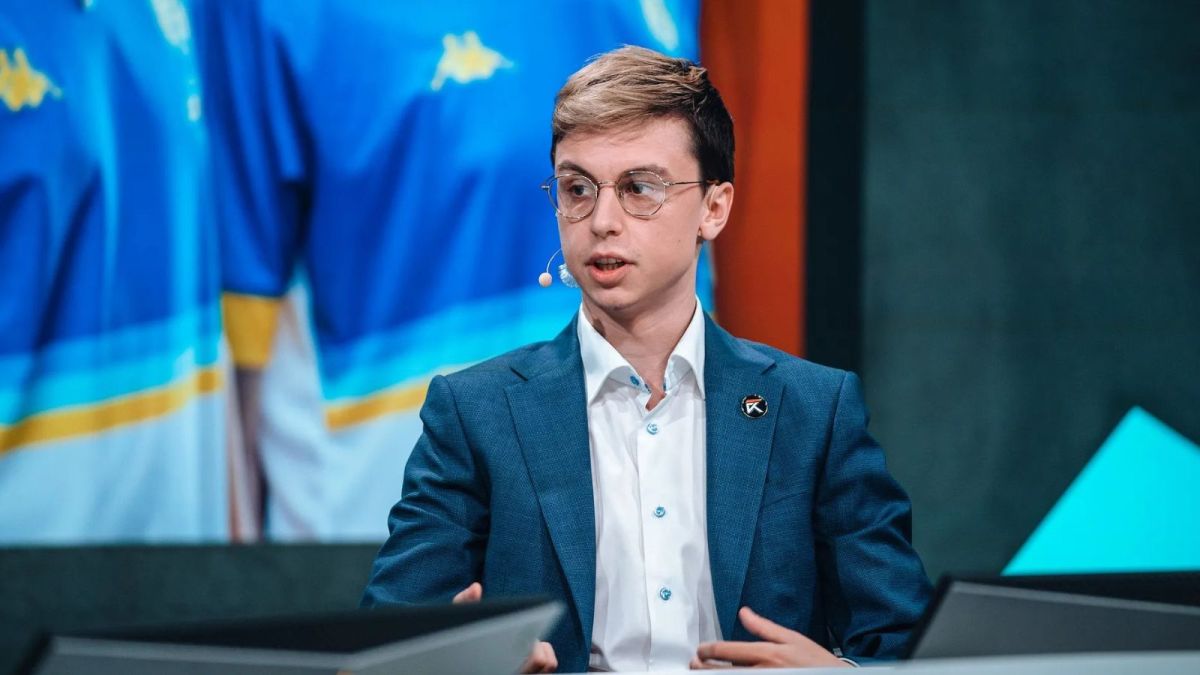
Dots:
pixel 654 595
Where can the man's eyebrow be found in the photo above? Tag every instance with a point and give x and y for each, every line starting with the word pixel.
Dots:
pixel 652 168
pixel 572 167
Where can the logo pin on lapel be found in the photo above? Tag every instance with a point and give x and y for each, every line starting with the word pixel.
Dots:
pixel 754 406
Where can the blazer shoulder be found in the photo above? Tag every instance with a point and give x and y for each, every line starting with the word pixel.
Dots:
pixel 521 363
pixel 498 370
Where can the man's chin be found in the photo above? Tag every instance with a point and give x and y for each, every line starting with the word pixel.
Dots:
pixel 615 302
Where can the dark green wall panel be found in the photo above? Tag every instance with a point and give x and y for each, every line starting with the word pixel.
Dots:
pixel 63 589
pixel 1030 249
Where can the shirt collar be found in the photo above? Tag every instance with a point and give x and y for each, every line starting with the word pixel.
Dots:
pixel 602 362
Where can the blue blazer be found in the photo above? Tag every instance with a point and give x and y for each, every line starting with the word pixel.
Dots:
pixel 805 525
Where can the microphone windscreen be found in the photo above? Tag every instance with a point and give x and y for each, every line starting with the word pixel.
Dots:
pixel 565 276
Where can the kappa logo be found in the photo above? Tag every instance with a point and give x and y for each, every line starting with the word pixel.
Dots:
pixel 21 85
pixel 754 406
pixel 465 59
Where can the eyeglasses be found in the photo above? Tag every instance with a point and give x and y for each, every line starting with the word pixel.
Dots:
pixel 641 193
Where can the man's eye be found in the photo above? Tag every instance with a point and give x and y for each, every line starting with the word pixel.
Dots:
pixel 639 188
pixel 575 188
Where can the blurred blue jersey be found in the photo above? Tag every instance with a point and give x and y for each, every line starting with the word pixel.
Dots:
pixel 111 422
pixel 389 155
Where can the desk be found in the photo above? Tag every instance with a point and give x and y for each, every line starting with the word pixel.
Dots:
pixel 1141 663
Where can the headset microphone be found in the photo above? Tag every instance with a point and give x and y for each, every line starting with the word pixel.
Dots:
pixel 544 279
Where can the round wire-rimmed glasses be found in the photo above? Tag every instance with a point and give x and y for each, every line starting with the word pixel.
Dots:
pixel 640 193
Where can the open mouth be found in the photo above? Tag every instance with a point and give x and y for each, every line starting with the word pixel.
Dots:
pixel 608 264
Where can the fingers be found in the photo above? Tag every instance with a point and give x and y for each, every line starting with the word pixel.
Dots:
pixel 471 593
pixel 767 629
pixel 697 664
pixel 737 653
pixel 541 659
pixel 783 647
pixel 549 660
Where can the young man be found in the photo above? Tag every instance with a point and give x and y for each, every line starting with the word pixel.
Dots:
pixel 685 493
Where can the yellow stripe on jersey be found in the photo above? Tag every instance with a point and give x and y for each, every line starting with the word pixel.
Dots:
pixel 398 399
pixel 62 424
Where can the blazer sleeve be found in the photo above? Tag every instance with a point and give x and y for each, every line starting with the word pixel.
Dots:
pixel 439 527
pixel 873 585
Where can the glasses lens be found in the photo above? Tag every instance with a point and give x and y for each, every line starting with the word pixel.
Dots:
pixel 574 195
pixel 641 192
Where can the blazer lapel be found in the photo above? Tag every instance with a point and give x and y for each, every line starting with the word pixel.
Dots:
pixel 738 451
pixel 549 410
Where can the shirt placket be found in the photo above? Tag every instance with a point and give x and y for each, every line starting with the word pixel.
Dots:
pixel 667 609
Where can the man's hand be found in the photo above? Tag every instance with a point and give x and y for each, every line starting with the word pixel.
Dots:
pixel 471 593
pixel 541 659
pixel 783 648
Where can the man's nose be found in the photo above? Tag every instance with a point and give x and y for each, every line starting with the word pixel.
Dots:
pixel 608 215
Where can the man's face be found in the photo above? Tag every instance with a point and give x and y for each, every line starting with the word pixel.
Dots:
pixel 627 265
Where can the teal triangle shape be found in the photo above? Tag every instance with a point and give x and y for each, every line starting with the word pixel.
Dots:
pixel 1134 507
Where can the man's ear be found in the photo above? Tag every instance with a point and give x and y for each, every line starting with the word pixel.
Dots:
pixel 718 202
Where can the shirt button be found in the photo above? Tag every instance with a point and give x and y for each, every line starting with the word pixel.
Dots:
pixel 664 593
pixel 636 382
pixel 652 428
pixel 659 512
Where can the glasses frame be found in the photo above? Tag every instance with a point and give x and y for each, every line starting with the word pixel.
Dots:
pixel 600 185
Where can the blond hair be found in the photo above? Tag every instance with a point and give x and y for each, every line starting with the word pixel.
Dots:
pixel 633 85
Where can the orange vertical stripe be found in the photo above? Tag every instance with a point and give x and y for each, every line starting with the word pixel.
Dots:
pixel 757 55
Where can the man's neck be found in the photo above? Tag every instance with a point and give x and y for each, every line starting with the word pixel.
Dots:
pixel 645 340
